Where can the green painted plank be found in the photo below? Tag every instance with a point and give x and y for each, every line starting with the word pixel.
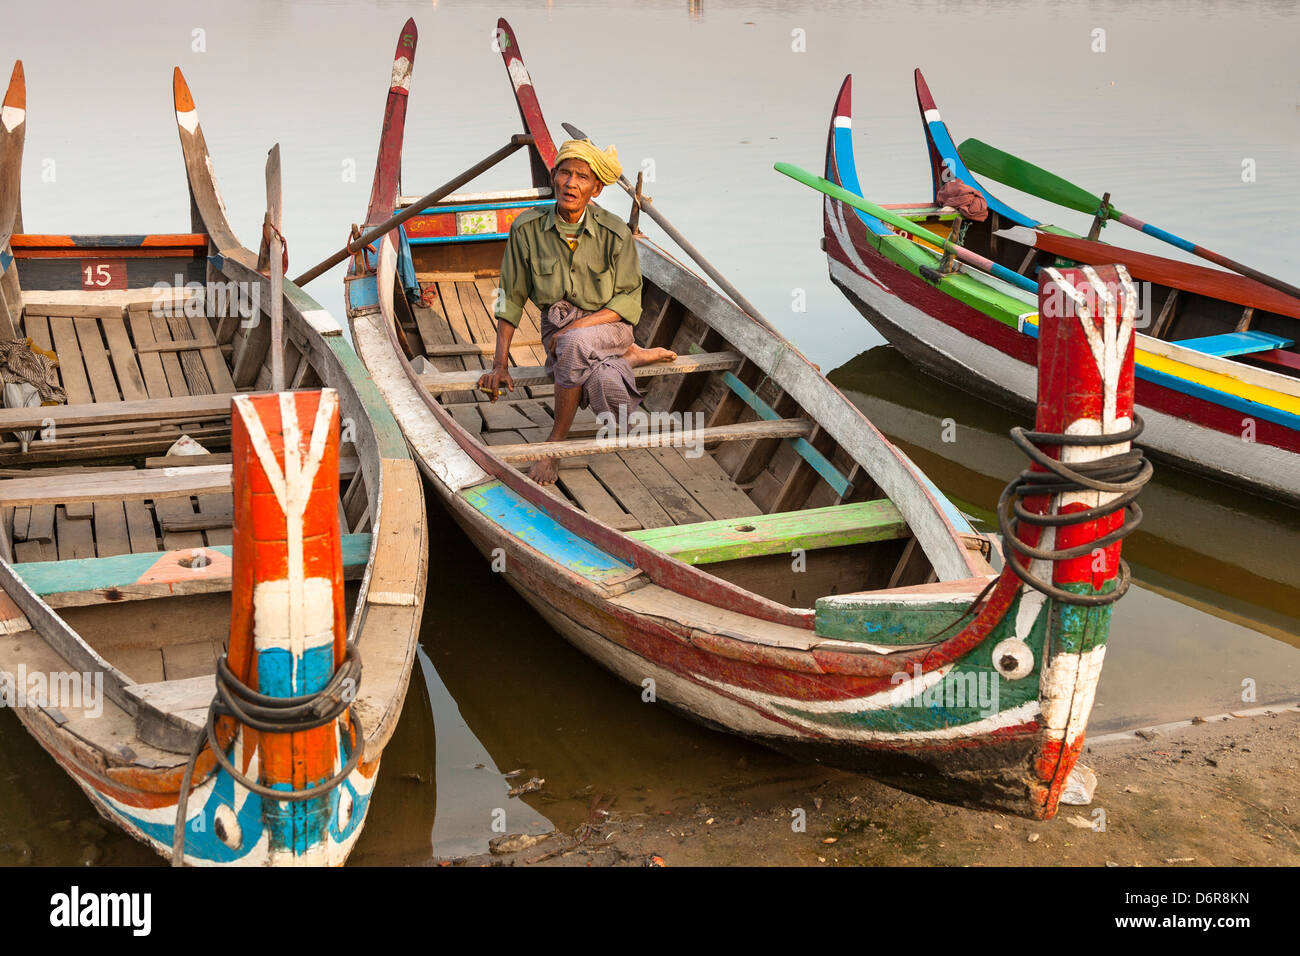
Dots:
pixel 123 570
pixel 709 542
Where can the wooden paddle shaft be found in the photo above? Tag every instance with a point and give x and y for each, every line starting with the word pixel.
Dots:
pixel 517 141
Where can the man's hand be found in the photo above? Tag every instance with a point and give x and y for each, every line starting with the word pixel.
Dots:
pixel 496 382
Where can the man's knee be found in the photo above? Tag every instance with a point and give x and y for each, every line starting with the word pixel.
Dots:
pixel 569 346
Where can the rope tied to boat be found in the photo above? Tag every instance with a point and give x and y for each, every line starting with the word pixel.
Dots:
pixel 1122 474
pixel 273 715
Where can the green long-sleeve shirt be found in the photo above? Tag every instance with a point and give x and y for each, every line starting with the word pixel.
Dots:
pixel 604 272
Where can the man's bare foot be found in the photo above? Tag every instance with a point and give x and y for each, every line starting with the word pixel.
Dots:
pixel 543 471
pixel 637 356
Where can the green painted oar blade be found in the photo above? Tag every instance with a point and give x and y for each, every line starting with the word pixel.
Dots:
pixel 857 202
pixel 1018 174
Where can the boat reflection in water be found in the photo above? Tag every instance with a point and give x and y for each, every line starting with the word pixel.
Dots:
pixel 1211 564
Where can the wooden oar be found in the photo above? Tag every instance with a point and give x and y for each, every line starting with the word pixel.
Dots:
pixel 1020 174
pixel 907 226
pixel 275 263
pixel 518 141
pixel 647 206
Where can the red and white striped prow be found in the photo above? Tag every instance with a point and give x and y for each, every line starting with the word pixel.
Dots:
pixel 288 628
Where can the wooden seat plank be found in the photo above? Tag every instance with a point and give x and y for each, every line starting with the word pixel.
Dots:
pixel 134 485
pixel 754 536
pixel 139 576
pixel 570 448
pixel 185 408
pixel 537 375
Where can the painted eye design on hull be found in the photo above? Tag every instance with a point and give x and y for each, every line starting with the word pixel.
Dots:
pixel 226 826
pixel 345 808
pixel 1013 659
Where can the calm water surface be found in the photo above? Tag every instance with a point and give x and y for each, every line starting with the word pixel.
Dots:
pixel 708 96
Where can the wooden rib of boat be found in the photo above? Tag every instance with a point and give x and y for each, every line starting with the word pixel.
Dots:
pixel 799 582
pixel 1217 359
pixel 125 568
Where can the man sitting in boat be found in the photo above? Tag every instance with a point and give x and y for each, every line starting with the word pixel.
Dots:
pixel 579 264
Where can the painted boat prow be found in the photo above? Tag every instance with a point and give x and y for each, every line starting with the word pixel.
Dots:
pixel 387 186
pixel 207 207
pixel 13 130
pixel 542 152
pixel 947 164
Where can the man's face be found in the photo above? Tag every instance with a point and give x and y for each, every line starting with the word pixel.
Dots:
pixel 575 185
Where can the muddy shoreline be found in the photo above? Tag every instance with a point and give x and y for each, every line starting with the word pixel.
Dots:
pixel 1219 793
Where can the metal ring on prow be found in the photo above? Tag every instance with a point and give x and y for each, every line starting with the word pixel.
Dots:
pixel 1123 475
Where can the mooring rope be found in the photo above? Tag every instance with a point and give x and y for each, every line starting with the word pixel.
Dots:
pixel 273 715
pixel 1123 475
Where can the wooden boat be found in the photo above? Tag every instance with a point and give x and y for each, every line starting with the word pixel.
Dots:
pixel 125 568
pixel 1234 557
pixel 800 583
pixel 1217 363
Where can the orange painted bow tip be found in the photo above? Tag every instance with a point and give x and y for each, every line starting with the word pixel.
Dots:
pixel 181 92
pixel 16 95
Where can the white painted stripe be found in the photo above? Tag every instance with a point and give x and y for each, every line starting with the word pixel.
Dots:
pixel 519 73
pixel 1068 688
pixel 323 321
pixel 393 598
pixel 844 122
pixel 1009 718
pixel 188 120
pixel 271 611
pixel 899 694
pixel 401 74
pixel 932 116
pixel 11 116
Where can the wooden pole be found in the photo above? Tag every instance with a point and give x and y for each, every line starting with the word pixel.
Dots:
pixel 518 141
pixel 647 205
pixel 274 207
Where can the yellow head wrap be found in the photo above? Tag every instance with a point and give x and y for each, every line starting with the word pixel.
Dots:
pixel 604 163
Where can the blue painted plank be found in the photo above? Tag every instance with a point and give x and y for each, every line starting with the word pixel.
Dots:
pixel 542 532
pixel 530 203
pixel 476 237
pixel 1235 343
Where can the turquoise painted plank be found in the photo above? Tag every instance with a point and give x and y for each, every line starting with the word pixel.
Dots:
pixel 477 237
pixel 542 532
pixel 363 293
pixel 1235 343
pixel 819 462
pixel 123 570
